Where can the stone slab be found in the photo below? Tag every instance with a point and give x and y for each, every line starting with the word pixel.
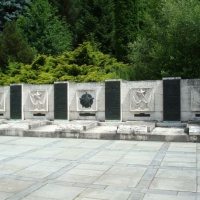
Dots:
pixel 186 185
pixel 150 124
pixel 166 197
pixel 194 130
pixel 12 186
pixel 62 192
pixel 168 131
pixel 105 194
pixel 131 129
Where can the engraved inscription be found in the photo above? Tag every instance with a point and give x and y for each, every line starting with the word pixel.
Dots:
pixel 195 98
pixel 2 101
pixel 16 102
pixel 60 101
pixel 38 101
pixel 141 99
pixel 171 100
pixel 112 100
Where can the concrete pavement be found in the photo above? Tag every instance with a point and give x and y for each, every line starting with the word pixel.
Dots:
pixel 82 169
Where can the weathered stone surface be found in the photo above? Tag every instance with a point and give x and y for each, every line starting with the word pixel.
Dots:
pixel 194 130
pixel 130 129
pixel 46 168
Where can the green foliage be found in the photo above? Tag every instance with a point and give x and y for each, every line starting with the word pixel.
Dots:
pixel 44 29
pixel 169 44
pixel 63 6
pixel 13 46
pixel 84 64
pixel 127 25
pixel 11 9
pixel 93 21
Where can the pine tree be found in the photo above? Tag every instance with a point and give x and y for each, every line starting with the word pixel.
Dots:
pixel 44 30
pixel 93 21
pixel 10 10
pixel 127 26
pixel 13 47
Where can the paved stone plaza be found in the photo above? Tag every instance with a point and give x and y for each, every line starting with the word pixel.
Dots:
pixel 81 169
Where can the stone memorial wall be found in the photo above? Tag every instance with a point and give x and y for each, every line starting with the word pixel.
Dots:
pixel 86 101
pixel 142 100
pixel 190 99
pixel 38 101
pixel 170 99
pixel 5 102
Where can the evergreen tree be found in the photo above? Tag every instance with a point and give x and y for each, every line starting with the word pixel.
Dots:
pixel 13 47
pixel 127 26
pixel 63 7
pixel 44 29
pixel 10 10
pixel 93 21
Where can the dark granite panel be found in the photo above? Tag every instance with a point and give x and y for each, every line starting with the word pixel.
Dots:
pixel 15 101
pixel 171 100
pixel 39 114
pixel 142 115
pixel 112 100
pixel 60 101
pixel 87 114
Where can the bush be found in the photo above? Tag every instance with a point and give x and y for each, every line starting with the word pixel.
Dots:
pixel 84 64
pixel 169 44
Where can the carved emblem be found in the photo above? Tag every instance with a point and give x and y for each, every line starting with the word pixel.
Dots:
pixel 86 100
pixel 195 98
pixel 142 99
pixel 38 100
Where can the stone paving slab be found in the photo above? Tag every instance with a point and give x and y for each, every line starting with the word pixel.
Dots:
pixel 82 169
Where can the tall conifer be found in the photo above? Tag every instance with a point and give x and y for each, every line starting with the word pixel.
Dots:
pixel 94 20
pixel 127 25
pixel 13 46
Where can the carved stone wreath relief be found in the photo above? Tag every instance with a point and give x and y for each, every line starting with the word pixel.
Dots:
pixel 38 101
pixel 141 99
pixel 86 100
pixel 195 98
